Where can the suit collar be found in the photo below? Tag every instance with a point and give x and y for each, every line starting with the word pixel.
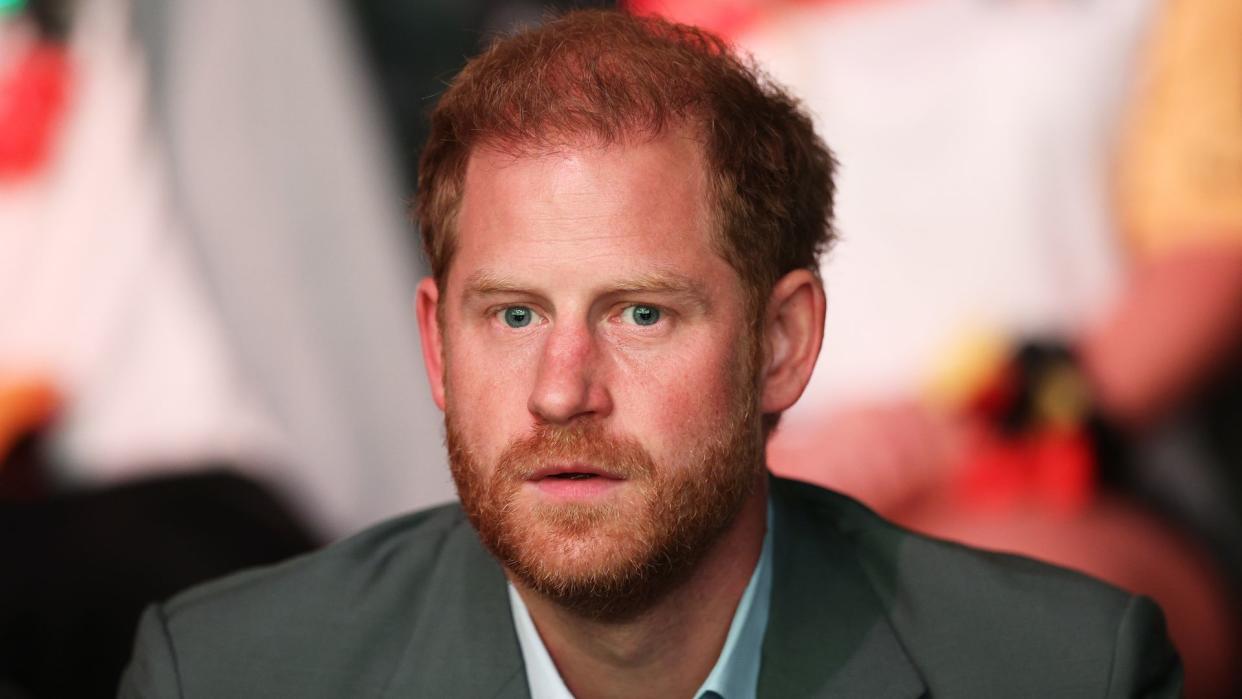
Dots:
pixel 463 642
pixel 828 632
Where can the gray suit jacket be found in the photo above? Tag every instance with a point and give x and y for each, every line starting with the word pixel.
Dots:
pixel 860 608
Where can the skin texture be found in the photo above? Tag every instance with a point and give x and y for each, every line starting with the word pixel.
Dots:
pixel 580 236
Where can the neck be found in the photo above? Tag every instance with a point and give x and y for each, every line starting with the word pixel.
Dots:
pixel 669 649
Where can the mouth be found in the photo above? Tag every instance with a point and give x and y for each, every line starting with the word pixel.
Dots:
pixel 574 482
pixel 573 472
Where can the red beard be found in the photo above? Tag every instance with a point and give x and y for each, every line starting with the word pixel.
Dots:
pixel 613 560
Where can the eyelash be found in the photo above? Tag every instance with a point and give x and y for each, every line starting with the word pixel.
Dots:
pixel 499 314
pixel 660 315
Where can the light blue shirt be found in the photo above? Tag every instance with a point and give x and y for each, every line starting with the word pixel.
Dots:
pixel 736 672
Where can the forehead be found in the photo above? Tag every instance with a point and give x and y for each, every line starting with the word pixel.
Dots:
pixel 621 208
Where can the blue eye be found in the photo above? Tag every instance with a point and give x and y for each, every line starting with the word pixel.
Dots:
pixel 517 316
pixel 641 315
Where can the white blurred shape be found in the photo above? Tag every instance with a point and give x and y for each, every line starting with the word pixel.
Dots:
pixel 212 265
pixel 288 192
pixel 975 141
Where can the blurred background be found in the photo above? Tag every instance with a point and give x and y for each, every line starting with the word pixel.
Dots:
pixel 208 358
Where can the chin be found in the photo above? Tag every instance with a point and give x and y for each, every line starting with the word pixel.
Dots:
pixel 581 542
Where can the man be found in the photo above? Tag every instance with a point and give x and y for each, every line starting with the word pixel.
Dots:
pixel 623 223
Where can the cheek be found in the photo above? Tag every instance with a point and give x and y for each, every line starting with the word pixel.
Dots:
pixel 672 400
pixel 488 389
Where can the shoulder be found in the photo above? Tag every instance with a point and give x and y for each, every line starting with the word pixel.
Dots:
pixel 965 615
pixel 901 562
pixel 906 566
pixel 406 548
pixel 348 606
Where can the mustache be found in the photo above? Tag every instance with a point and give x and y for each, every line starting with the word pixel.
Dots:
pixel 586 443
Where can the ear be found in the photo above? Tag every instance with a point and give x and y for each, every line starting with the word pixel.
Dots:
pixel 793 333
pixel 426 303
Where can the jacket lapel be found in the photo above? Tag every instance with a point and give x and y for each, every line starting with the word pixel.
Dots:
pixel 828 633
pixel 463 642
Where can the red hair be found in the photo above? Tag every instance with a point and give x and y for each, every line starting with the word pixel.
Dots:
pixel 604 77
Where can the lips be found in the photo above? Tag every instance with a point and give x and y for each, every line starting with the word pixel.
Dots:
pixel 573 472
pixel 575 483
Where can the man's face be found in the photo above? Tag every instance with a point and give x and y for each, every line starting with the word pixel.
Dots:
pixel 599 369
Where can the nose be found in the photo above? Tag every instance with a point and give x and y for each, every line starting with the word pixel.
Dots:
pixel 569 384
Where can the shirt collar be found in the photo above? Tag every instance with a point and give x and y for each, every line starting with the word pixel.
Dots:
pixel 736 672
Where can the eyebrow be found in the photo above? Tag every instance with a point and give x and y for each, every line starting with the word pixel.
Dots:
pixel 662 282
pixel 487 283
